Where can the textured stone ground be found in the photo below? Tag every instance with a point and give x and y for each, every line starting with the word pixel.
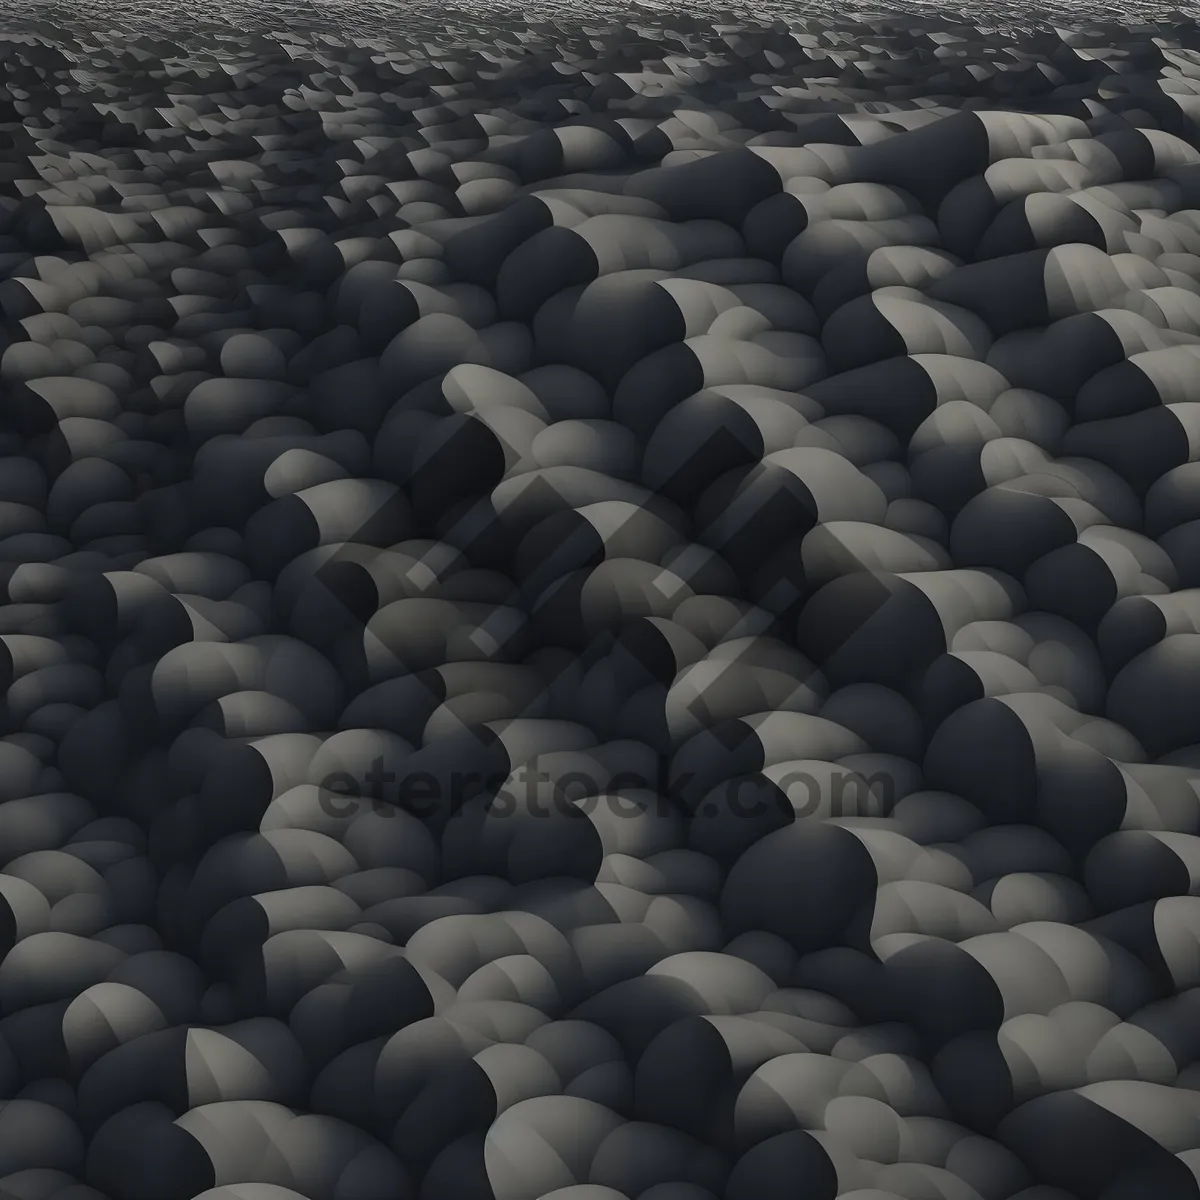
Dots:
pixel 605 608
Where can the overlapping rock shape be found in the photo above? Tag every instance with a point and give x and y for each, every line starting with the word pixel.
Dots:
pixel 768 534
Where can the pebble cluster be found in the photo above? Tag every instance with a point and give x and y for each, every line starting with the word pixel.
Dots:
pixel 601 613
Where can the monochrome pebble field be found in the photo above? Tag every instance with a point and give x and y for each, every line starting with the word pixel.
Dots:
pixel 599 605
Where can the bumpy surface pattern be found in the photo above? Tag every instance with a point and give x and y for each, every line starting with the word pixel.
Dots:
pixel 601 613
